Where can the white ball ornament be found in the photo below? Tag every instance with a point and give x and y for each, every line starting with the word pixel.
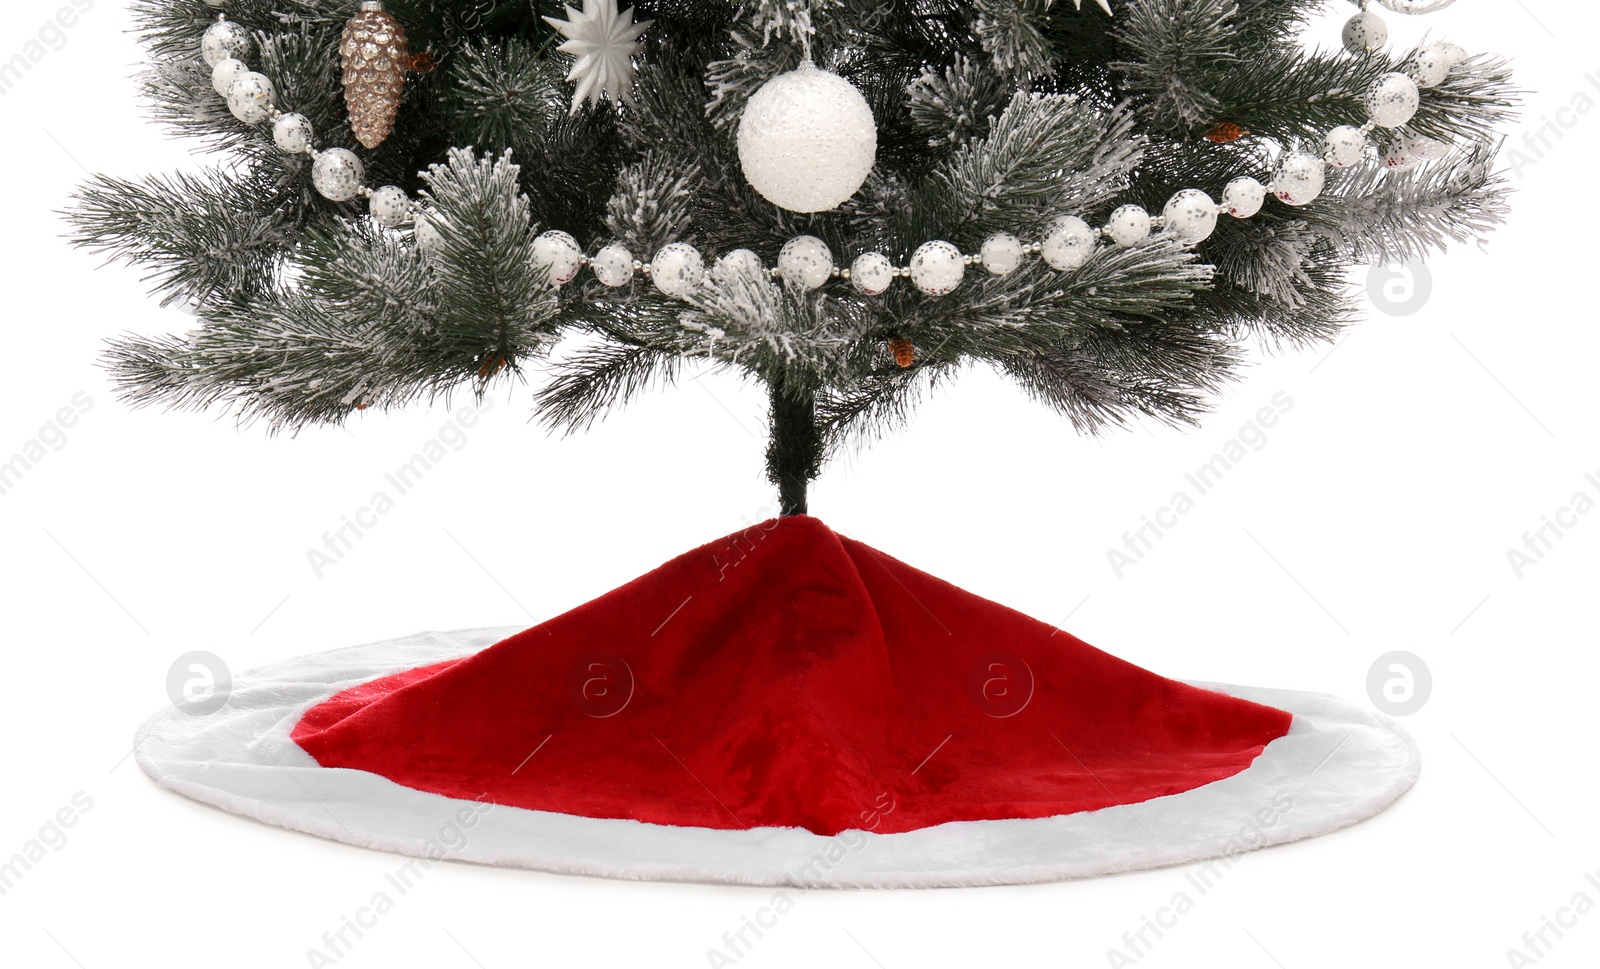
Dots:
pixel 937 267
pixel 1001 253
pixel 225 72
pixel 678 269
pixel 1344 146
pixel 613 265
pixel 559 254
pixel 1243 197
pixel 1299 178
pixel 390 206
pixel 1190 215
pixel 1365 32
pixel 805 262
pixel 1393 100
pixel 1128 226
pixel 292 133
pixel 337 174
pixel 871 273
pixel 222 40
pixel 807 140
pixel 1068 244
pixel 739 262
pixel 1430 66
pixel 1412 150
pixel 1452 52
pixel 425 231
pixel 250 97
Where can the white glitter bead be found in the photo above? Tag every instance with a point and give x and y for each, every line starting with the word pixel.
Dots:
pixel 1392 100
pixel 1344 146
pixel 1364 32
pixel 249 97
pixel 677 269
pixel 390 205
pixel 425 230
pixel 1128 226
pixel 292 132
pixel 1412 150
pixel 1452 52
pixel 805 261
pixel 1001 253
pixel 739 262
pixel 937 267
pixel 1068 244
pixel 559 254
pixel 807 140
pixel 1299 178
pixel 1425 147
pixel 337 174
pixel 222 40
pixel 1190 215
pixel 613 266
pixel 1242 197
pixel 871 273
pixel 224 73
pixel 1431 65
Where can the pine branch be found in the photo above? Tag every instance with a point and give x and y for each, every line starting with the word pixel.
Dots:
pixel 204 236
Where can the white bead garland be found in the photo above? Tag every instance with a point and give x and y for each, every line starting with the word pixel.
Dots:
pixel 677 269
pixel 1392 100
pixel 1001 253
pixel 222 40
pixel 1364 33
pixel 337 174
pixel 1190 215
pixel 224 72
pixel 805 262
pixel 250 97
pixel 1068 244
pixel 1128 226
pixel 559 254
pixel 613 266
pixel 871 273
pixel 1243 197
pixel 390 206
pixel 292 133
pixel 936 267
pixel 1299 178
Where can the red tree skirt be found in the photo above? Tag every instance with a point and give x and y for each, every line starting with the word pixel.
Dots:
pixel 782 707
pixel 789 677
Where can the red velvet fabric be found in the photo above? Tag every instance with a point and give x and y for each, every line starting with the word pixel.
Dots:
pixel 788 676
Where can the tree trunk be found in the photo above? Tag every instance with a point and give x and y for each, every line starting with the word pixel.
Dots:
pixel 795 449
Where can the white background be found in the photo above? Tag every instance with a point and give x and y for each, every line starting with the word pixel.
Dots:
pixel 1377 517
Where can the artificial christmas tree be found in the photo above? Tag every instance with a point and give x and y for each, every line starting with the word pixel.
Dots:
pixel 847 202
